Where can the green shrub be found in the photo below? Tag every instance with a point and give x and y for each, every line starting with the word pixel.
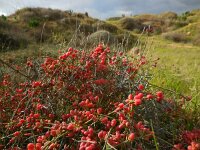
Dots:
pixel 3 24
pixel 86 28
pixel 179 24
pixel 169 15
pixel 86 14
pixel 80 15
pixel 176 37
pixel 131 24
pixel 196 40
pixel 184 15
pixel 114 18
pixel 106 26
pixel 157 30
pixel 40 13
pixel 101 36
pixel 3 17
pixel 8 42
pixel 33 23
pixel 70 23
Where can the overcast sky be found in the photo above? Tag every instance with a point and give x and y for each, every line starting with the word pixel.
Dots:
pixel 104 8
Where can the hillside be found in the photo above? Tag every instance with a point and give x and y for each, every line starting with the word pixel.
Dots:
pixel 69 81
pixel 40 25
pixel 184 27
pixel 175 40
pixel 30 26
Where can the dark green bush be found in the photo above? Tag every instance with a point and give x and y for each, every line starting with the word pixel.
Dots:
pixel 33 23
pixel 3 17
pixel 184 16
pixel 131 24
pixel 10 43
pixel 86 28
pixel 114 18
pixel 179 24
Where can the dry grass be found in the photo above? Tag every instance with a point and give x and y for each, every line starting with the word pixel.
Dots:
pixel 176 37
pixel 130 24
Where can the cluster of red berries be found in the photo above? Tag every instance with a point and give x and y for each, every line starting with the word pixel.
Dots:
pixel 80 100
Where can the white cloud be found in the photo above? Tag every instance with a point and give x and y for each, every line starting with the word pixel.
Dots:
pixel 2 13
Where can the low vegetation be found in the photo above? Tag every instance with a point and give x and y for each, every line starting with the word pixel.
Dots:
pixel 41 25
pixel 89 84
pixel 95 99
pixel 176 37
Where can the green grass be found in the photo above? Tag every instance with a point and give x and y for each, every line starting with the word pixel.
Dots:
pixel 32 51
pixel 178 69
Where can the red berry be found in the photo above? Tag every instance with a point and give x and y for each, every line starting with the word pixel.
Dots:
pixel 70 126
pixel 22 121
pixel 36 115
pixel 102 134
pixel 53 133
pixel 127 124
pixel 31 146
pixel 131 137
pixel 39 106
pixel 138 102
pixel 52 146
pixel 37 124
pixel 36 84
pixel 90 105
pixel 117 135
pixel 99 110
pixel 104 120
pixel 12 140
pixel 113 122
pixel 38 146
pixel 158 99
pixel 90 147
pixel 130 96
pixel 121 126
pixel 159 94
pixel 141 87
pixel 91 131
pixel 17 133
pixel 51 116
pixel 149 96
pixel 140 95
pixel 121 105
pixel 96 98
pixel 70 49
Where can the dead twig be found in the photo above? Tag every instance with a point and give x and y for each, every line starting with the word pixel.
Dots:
pixel 17 71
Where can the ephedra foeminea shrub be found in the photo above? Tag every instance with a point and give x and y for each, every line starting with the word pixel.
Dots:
pixel 83 100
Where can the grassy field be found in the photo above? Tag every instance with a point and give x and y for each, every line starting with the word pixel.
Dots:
pixel 177 69
pixel 77 84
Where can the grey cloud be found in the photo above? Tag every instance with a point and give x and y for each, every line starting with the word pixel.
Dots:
pixel 104 8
